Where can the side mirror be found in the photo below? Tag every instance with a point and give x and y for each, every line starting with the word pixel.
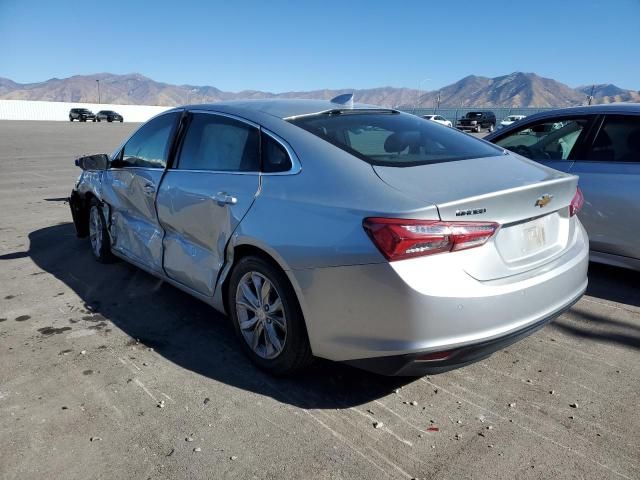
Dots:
pixel 99 161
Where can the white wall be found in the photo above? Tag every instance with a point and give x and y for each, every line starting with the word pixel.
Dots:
pixel 32 110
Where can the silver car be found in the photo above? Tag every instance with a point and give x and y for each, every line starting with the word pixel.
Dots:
pixel 600 144
pixel 352 233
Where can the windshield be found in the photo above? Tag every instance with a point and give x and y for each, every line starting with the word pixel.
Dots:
pixel 473 115
pixel 394 139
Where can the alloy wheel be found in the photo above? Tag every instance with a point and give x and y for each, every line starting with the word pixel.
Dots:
pixel 261 315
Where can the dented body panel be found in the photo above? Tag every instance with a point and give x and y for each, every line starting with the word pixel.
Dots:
pixel 134 228
pixel 198 223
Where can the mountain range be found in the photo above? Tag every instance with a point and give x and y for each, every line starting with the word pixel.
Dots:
pixel 517 89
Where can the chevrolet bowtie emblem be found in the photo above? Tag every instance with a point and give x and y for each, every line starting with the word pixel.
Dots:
pixel 544 200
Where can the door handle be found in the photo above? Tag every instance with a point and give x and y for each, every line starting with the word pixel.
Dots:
pixel 149 188
pixel 223 198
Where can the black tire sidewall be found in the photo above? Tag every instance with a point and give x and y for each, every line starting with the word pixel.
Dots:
pixel 296 353
pixel 105 251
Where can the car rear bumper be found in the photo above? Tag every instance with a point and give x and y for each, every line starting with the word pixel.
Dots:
pixel 418 364
pixel 405 309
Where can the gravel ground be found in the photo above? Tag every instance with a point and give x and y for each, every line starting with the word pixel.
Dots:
pixel 106 372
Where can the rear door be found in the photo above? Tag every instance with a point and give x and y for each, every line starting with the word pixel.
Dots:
pixel 205 195
pixel 609 171
pixel 130 189
pixel 554 142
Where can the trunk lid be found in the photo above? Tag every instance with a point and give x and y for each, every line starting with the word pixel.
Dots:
pixel 529 201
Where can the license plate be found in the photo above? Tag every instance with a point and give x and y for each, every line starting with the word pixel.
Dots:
pixel 534 237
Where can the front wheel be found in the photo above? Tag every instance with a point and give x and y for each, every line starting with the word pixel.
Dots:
pixel 491 127
pixel 98 234
pixel 267 317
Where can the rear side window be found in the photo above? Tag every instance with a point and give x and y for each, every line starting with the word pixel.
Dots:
pixel 149 146
pixel 548 140
pixel 617 141
pixel 215 142
pixel 274 157
pixel 394 139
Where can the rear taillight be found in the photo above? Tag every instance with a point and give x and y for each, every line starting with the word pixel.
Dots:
pixel 398 238
pixel 576 203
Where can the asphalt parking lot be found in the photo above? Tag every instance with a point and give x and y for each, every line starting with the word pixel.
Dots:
pixel 106 372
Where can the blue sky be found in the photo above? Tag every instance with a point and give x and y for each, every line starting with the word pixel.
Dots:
pixel 281 46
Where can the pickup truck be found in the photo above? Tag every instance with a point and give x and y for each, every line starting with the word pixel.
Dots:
pixel 475 121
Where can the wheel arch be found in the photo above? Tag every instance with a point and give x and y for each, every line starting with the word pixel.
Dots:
pixel 244 248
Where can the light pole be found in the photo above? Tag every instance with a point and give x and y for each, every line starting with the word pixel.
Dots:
pixel 98 83
pixel 420 82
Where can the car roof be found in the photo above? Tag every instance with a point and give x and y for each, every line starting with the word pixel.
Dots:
pixel 606 108
pixel 281 108
pixel 594 109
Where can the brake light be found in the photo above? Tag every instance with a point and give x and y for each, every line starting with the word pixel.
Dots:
pixel 398 238
pixel 576 203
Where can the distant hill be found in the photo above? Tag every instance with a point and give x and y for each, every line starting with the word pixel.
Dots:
pixel 515 90
pixel 608 93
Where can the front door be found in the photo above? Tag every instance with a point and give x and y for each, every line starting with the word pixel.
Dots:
pixel 552 142
pixel 609 172
pixel 130 189
pixel 205 195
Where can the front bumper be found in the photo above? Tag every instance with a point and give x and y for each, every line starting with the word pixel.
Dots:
pixel 467 127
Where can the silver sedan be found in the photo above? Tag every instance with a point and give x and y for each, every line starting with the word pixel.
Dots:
pixel 347 232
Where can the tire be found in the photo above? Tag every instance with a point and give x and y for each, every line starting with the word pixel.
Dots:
pixel 98 120
pixel 109 119
pixel 478 129
pixel 94 120
pixel 121 120
pixel 83 119
pixel 290 351
pixel 491 127
pixel 70 119
pixel 98 234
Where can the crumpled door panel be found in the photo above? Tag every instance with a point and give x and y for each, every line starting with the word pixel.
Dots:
pixel 134 225
pixel 198 225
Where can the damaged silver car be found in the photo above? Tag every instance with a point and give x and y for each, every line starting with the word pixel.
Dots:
pixel 347 232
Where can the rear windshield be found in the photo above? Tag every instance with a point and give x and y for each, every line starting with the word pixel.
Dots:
pixel 395 139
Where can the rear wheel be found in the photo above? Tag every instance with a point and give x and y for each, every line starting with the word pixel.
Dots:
pixel 267 317
pixel 98 234
pixel 109 119
pixel 70 119
pixel 491 127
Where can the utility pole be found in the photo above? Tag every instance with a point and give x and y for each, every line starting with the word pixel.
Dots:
pixel 98 83
pixel 590 97
pixel 418 93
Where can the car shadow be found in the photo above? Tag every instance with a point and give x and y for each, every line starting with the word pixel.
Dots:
pixel 615 284
pixel 184 330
